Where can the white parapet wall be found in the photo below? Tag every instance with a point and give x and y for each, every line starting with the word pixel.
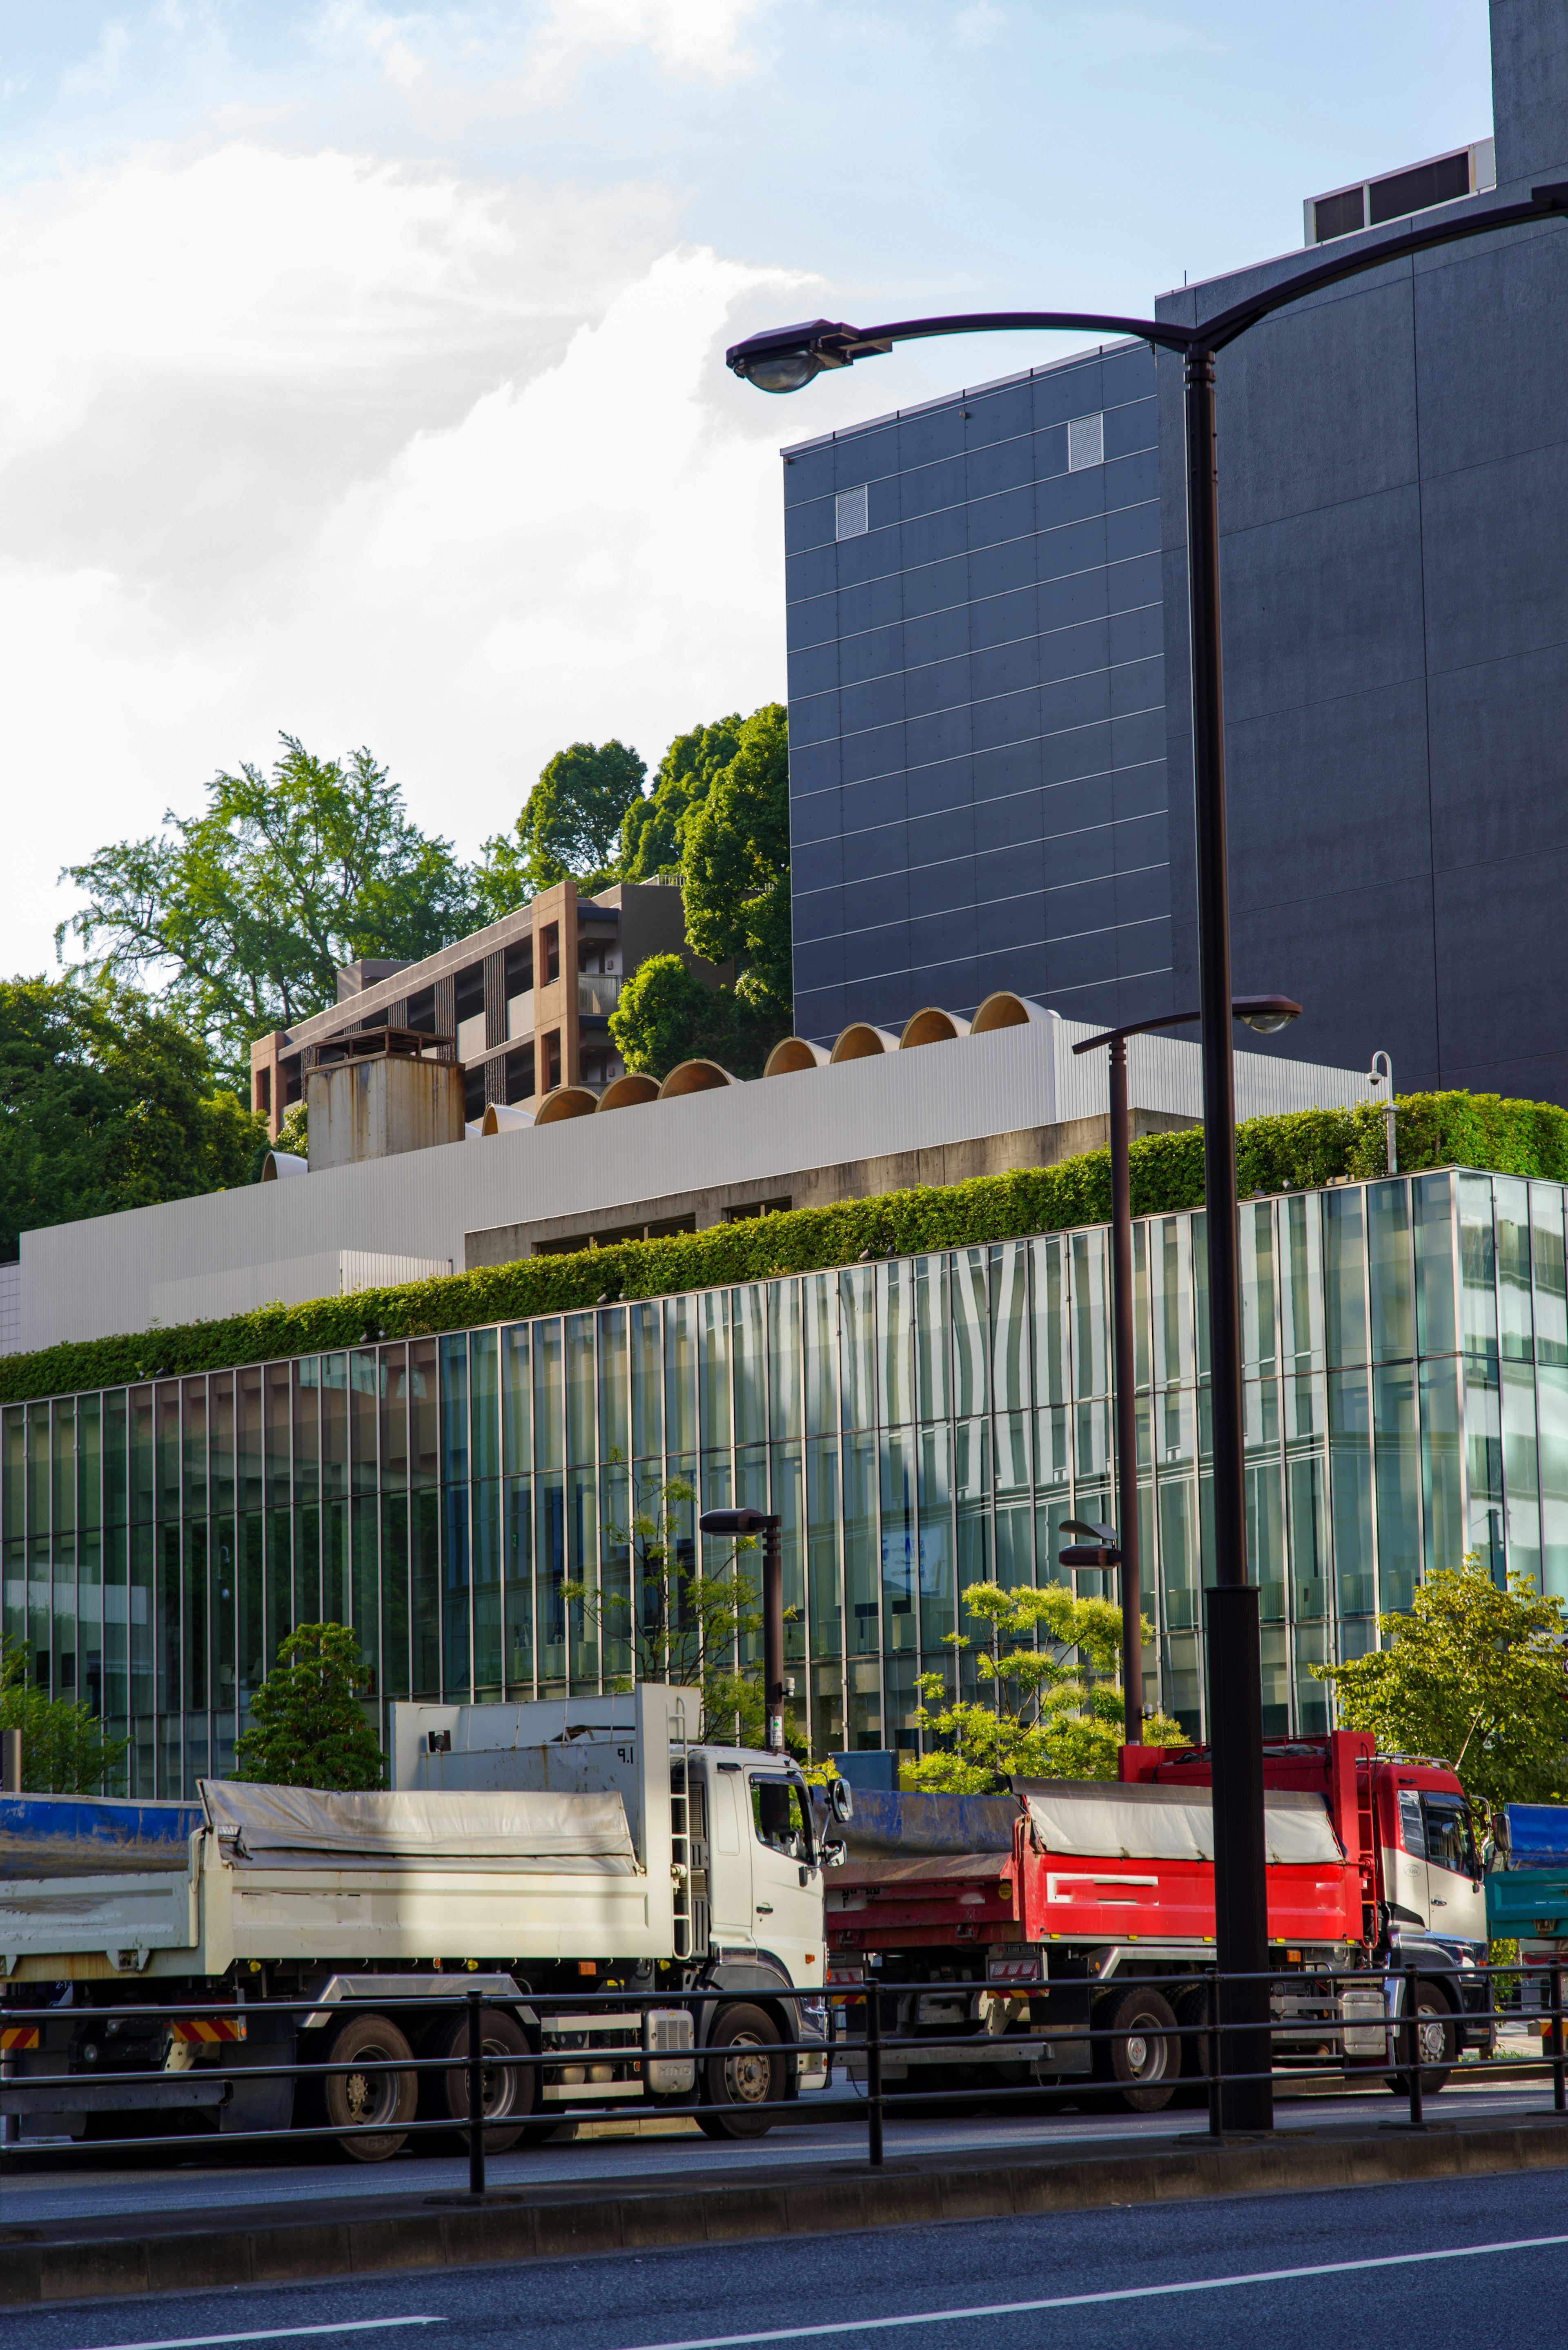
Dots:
pixel 230 1251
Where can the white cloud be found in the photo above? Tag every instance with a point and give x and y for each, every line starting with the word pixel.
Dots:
pixel 376 456
pixel 532 54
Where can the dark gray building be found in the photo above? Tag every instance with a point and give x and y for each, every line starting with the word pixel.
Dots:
pixel 1394 494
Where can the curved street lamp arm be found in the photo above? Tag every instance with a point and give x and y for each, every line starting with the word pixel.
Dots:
pixel 1174 336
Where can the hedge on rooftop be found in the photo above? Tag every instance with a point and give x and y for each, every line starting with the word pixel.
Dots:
pixel 1295 1151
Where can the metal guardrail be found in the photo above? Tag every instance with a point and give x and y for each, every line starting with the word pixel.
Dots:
pixel 1402 2058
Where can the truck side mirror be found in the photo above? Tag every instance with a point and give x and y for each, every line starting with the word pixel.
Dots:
pixel 841 1802
pixel 833 1852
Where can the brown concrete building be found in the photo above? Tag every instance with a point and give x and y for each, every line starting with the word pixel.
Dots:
pixel 525 1001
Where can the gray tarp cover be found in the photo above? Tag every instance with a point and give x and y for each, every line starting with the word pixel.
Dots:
pixel 301 1827
pixel 1096 1816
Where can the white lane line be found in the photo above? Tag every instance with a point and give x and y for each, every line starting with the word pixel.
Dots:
pixel 1082 2299
pixel 272 2334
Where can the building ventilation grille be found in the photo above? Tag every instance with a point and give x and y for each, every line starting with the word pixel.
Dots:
pixel 1441 179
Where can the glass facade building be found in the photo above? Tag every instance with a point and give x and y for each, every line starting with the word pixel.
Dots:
pixel 977 702
pixel 922 1424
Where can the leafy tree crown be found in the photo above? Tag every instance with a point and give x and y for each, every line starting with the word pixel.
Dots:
pixel 308 1728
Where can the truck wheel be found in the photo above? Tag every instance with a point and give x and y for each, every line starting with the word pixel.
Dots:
pixel 508 2091
pixel 1437 2036
pixel 352 2100
pixel 741 2069
pixel 1142 2059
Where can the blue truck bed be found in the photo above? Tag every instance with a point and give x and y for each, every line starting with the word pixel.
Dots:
pixel 91 1836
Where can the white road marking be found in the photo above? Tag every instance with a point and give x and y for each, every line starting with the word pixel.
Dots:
pixel 273 2333
pixel 1082 2299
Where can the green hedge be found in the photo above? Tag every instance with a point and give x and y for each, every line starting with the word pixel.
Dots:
pixel 1298 1151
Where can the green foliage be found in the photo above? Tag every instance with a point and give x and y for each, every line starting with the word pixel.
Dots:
pixel 64 1750
pixel 254 904
pixel 650 833
pixel 1055 1708
pixel 106 1103
pixel 1474 1676
pixel 735 864
pixel 666 1015
pixel 308 1728
pixel 684 1628
pixel 571 820
pixel 1308 1146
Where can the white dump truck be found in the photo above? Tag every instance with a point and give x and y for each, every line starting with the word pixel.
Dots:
pixel 527 1852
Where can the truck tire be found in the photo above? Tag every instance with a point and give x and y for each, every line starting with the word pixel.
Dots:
pixel 1143 2059
pixel 508 2091
pixel 349 2100
pixel 741 2069
pixel 1437 2035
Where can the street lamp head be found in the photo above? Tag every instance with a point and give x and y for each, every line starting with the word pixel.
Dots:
pixel 736 1522
pixel 785 359
pixel 1265 1014
pixel 1091 1529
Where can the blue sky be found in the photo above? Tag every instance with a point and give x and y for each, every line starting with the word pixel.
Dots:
pixel 365 370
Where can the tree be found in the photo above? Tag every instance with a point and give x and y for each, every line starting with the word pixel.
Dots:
pixel 666 1015
pixel 254 905
pixel 308 1728
pixel 1049 1716
pixel 1474 1676
pixel 65 1749
pixel 571 820
pixel 650 833
pixel 734 865
pixel 107 1103
pixel 683 1628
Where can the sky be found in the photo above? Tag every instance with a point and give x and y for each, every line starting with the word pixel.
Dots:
pixel 364 365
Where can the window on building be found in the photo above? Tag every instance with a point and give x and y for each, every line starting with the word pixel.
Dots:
pixel 264 1092
pixel 1085 442
pixel 550 952
pixel 520 1075
pixel 550 1061
pixel 851 512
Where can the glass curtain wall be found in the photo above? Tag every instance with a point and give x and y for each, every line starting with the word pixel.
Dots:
pixel 920 1424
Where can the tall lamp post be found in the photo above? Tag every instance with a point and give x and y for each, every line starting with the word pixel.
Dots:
pixel 1267 1015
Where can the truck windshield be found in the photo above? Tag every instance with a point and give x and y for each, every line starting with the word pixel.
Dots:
pixel 780 1815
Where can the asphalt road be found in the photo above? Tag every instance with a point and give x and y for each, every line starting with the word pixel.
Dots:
pixel 1443 2264
pixel 200 2172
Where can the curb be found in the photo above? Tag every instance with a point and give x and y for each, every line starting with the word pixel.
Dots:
pixel 78 2260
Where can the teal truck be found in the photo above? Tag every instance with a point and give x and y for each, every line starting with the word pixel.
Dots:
pixel 1527 1893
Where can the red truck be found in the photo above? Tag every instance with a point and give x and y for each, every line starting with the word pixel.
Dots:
pixel 1019 1919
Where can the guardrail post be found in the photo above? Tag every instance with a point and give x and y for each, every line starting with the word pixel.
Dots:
pixel 1559 2086
pixel 1413 2044
pixel 874 2070
pixel 1216 2084
pixel 476 2094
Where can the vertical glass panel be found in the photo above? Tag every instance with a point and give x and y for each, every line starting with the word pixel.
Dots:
pixel 1520 1471
pixel 307 1564
pixel 858 1345
pixel 115 1460
pixel 1343 1275
pixel 13 1472
pixel 166 1405
pixel 365 1585
pixel 1301 1282
pixel 335 1595
pixel 1350 1464
pixel 516 1400
pixel 456 1661
pixel 861 1576
pixel 901 1614
pixel 1515 1322
pixel 139 1617
pixel 749 1347
pixel 424 1414
pixel 1198 1230
pixel 484 1403
pixel 1014 1501
pixel 250 1629
pixel 582 1566
pixel 971 1495
pixel 1483 1460
pixel 334 1426
pixel 1390 1271
pixel 1010 1384
pixel 221 1441
pixel 279 1580
pixel 168 1626
pixel 1276 1682
pixel 1548 1271
pixel 139 1406
pixel 1478 1286
pixel 938 1595
pixel 1306 1483
pixel 1312 1695
pixel 616 1598
pixel 519 1588
pixel 713 1398
pixel 819 1302
pixel 933 1378
pixel 1436 1318
pixel 396 1628
pixel 615 1393
pixel 681 1374
pixel 1178 1511
pixel 394 1415
pixel 1091 1316
pixel 582 1388
pixel 488 1673
pixel 549 1410
pixel 424 1587
pixel 1442 1465
pixel 364 1387
pixel 896 1357
pixel 783 1361
pixel 647 1381
pixel 1092 1433
pixel 1255 1230
pixel 970 1294
pixel 1172 1286
pixel 788 1472
pixel 1141 1308
pixel 1552 1401
pixel 305 1406
pixel 454 1408
pixel 1398 1473
pixel 1053 1448
pixel 821 1520
pixel 1052 1378
pixel 1266 1538
pixel 62 1460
